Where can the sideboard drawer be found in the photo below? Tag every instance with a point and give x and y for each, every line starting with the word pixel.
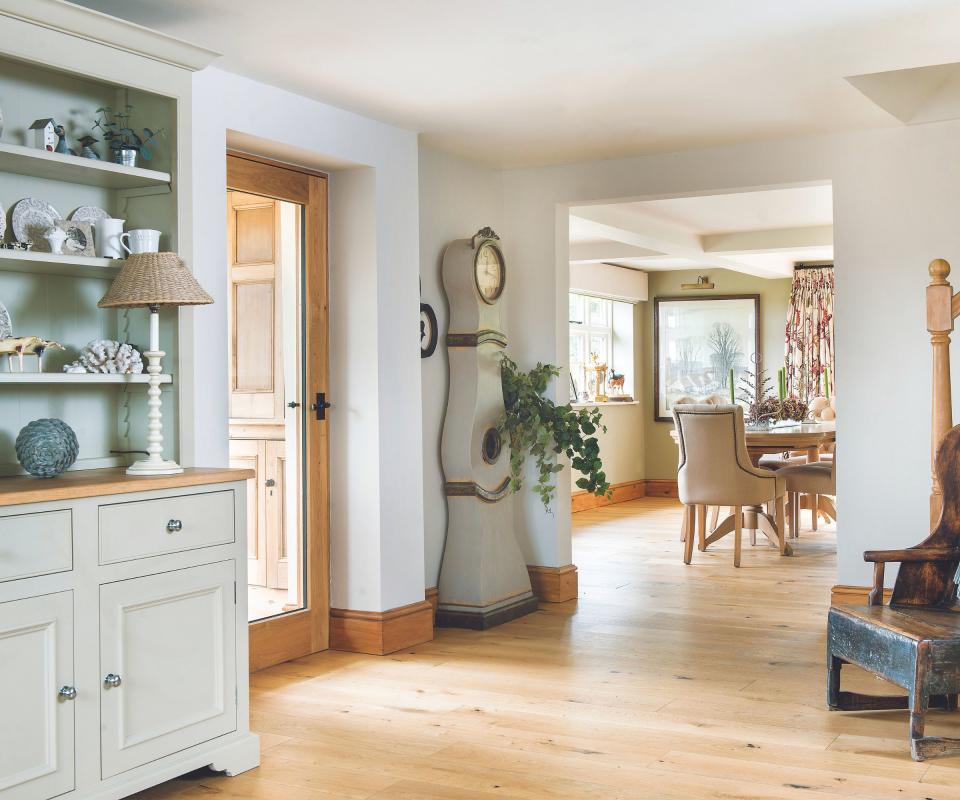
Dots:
pixel 35 544
pixel 145 528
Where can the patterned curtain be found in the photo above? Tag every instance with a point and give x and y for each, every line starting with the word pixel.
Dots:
pixel 809 335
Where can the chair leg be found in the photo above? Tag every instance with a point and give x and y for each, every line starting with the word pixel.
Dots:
pixel 684 533
pixel 780 504
pixel 737 534
pixel 919 702
pixel 688 514
pixel 833 681
pixel 813 511
pixel 702 528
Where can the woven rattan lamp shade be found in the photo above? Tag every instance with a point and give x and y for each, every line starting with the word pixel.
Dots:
pixel 154 279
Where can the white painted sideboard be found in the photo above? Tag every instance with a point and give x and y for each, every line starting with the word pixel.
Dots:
pixel 123 632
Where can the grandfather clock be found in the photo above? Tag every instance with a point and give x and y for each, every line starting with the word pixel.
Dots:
pixel 483 578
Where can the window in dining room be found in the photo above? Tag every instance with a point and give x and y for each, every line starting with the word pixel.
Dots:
pixel 601 331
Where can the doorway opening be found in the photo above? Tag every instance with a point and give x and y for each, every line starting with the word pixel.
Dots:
pixel 277 335
pixel 266 392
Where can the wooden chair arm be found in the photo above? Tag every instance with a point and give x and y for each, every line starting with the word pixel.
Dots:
pixel 913 554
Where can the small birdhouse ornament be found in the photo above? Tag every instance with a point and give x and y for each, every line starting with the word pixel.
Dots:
pixel 44 136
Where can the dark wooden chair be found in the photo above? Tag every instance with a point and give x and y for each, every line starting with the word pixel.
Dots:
pixel 914 641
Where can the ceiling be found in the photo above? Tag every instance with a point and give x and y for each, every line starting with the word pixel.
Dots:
pixel 760 233
pixel 527 82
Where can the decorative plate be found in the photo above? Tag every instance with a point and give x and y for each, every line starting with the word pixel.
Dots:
pixel 91 214
pixel 32 219
pixel 6 326
pixel 79 240
pixel 3 222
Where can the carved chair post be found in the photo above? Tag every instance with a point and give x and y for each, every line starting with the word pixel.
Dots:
pixel 940 318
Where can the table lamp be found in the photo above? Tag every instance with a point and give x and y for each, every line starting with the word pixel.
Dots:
pixel 151 280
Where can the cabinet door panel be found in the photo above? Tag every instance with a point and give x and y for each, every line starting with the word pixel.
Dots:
pixel 36 727
pixel 171 640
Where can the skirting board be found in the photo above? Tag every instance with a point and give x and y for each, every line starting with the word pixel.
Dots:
pixel 661 487
pixel 554 584
pixel 381 632
pixel 853 595
pixel 432 594
pixel 629 490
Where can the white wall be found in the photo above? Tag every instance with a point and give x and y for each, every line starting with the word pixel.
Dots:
pixel 376 486
pixel 896 204
pixel 457 198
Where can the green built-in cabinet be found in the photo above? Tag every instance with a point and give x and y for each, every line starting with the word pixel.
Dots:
pixel 55 297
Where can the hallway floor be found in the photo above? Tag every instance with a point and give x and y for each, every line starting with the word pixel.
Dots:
pixel 661 681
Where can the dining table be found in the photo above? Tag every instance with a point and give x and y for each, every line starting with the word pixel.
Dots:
pixel 782 437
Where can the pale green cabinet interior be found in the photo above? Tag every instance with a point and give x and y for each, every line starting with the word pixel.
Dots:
pixel 63 306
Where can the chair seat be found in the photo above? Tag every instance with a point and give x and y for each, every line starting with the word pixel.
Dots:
pixel 814 478
pixel 915 624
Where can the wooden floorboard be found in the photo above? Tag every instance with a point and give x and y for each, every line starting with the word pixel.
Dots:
pixel 660 681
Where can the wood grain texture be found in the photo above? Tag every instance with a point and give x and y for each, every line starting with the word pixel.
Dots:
pixel 432 596
pixel 554 584
pixel 662 681
pixel 19 489
pixel 842 594
pixel 379 633
pixel 656 487
pixel 628 490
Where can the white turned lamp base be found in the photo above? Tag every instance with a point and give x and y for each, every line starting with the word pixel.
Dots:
pixel 155 463
pixel 147 467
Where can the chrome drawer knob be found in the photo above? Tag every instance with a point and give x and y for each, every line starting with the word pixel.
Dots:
pixel 174 526
pixel 112 681
pixel 67 693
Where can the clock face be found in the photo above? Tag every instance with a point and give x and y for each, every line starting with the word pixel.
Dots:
pixel 489 271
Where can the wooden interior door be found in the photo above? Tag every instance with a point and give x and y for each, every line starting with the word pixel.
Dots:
pixel 256 355
pixel 249 454
pixel 306 630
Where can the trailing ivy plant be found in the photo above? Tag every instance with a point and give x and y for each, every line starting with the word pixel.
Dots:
pixel 534 425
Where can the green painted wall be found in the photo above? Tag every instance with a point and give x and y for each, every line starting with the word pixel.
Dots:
pixel 660 451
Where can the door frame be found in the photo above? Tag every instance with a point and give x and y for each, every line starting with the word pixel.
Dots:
pixel 299 633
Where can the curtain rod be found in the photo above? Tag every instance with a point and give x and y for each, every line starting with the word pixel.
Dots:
pixel 813 265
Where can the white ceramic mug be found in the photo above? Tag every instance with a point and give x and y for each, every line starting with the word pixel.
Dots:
pixel 108 238
pixel 141 240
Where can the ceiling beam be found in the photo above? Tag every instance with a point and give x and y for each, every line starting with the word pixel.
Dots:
pixel 768 241
pixel 618 225
pixel 606 250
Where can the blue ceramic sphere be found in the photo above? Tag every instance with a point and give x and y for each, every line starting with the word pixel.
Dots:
pixel 46 447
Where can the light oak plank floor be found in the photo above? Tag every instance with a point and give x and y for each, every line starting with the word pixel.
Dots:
pixel 661 681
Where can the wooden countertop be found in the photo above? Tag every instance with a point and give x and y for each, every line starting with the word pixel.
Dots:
pixel 93 482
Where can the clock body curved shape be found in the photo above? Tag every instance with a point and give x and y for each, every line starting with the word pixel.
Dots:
pixel 483 577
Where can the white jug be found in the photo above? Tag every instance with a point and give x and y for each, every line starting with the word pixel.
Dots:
pixel 108 238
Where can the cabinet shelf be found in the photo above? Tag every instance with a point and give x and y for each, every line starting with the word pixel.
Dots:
pixel 32 262
pixel 80 379
pixel 73 169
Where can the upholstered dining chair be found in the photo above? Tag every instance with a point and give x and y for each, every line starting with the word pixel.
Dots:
pixel 715 470
pixel 814 479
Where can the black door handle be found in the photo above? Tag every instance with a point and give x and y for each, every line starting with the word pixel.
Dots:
pixel 293 404
pixel 320 406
